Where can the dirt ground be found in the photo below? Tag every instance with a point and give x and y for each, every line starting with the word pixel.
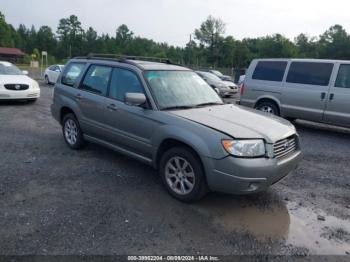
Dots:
pixel 96 202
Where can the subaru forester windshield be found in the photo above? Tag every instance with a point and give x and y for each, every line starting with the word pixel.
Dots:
pixel 180 90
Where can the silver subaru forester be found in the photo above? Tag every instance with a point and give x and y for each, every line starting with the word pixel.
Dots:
pixel 167 116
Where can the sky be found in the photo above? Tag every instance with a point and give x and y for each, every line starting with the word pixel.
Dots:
pixel 172 21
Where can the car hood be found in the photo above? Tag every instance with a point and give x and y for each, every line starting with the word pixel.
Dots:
pixel 240 122
pixel 229 83
pixel 15 79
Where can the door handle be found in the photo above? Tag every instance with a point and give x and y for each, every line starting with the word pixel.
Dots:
pixel 331 96
pixel 112 107
pixel 323 95
pixel 78 96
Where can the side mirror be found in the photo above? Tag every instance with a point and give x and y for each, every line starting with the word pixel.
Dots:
pixel 25 72
pixel 135 99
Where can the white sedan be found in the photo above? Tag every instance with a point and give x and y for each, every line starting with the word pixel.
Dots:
pixel 52 73
pixel 14 84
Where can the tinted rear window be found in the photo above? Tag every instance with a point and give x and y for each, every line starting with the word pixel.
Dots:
pixel 310 73
pixel 343 79
pixel 270 70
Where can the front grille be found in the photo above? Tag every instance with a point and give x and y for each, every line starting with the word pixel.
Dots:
pixel 16 87
pixel 284 147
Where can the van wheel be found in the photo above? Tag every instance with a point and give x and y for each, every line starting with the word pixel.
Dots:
pixel 268 107
pixel 182 174
pixel 72 132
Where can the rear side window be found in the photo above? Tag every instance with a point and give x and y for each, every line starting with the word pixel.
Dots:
pixel 310 73
pixel 270 70
pixel 96 79
pixel 124 81
pixel 343 78
pixel 72 73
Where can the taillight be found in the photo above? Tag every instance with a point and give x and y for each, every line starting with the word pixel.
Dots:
pixel 242 88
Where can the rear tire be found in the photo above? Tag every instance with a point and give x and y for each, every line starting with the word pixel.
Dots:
pixel 72 133
pixel 268 107
pixel 47 80
pixel 182 174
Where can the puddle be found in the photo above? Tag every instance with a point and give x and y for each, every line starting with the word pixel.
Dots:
pixel 278 221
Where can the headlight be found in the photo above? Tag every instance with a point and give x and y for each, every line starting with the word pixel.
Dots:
pixel 35 85
pixel 245 148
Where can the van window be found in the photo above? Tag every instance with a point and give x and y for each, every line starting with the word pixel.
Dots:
pixel 270 70
pixel 310 73
pixel 124 81
pixel 71 74
pixel 97 79
pixel 343 78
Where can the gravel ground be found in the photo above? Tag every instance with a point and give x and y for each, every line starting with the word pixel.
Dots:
pixel 55 201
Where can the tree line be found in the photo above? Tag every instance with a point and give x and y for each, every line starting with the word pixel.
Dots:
pixel 208 47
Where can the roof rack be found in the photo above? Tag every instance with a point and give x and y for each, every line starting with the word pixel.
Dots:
pixel 122 58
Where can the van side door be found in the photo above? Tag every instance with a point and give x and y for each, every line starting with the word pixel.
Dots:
pixel 338 103
pixel 305 90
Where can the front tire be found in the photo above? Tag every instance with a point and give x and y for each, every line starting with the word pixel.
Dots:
pixel 268 107
pixel 72 133
pixel 182 174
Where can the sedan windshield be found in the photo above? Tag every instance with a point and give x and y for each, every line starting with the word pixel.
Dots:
pixel 180 89
pixel 218 73
pixel 9 69
pixel 211 76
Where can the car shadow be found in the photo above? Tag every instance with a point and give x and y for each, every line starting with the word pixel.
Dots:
pixel 15 103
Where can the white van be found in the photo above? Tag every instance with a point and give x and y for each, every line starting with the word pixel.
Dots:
pixel 309 89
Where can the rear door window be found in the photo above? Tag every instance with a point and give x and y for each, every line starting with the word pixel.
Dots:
pixel 72 73
pixel 343 78
pixel 96 79
pixel 270 70
pixel 310 73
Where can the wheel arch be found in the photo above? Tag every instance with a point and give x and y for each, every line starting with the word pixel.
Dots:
pixel 64 111
pixel 171 143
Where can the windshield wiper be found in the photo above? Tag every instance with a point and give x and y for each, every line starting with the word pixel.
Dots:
pixel 177 107
pixel 209 104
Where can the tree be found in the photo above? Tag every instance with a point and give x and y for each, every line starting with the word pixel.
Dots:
pixel 71 36
pixel 335 43
pixel 276 46
pixel 6 36
pixel 90 41
pixel 306 46
pixel 210 35
pixel 45 40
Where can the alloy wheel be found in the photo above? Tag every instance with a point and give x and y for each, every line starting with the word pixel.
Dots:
pixel 179 175
pixel 71 131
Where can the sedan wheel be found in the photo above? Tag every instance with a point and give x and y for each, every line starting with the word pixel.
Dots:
pixel 47 80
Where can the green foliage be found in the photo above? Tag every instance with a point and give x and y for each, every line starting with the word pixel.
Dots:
pixel 209 47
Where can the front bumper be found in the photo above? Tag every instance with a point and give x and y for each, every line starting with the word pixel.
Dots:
pixel 30 93
pixel 228 92
pixel 244 176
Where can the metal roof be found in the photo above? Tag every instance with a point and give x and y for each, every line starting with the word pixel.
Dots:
pixel 11 51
